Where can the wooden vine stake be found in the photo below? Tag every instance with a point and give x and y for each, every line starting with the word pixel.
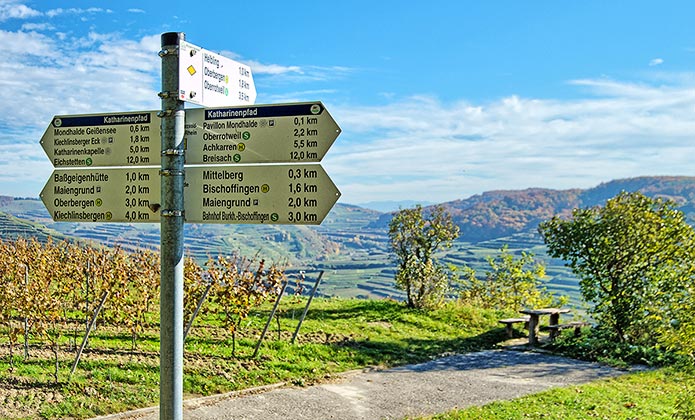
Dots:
pixel 89 330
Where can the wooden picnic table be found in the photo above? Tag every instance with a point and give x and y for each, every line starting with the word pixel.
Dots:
pixel 534 320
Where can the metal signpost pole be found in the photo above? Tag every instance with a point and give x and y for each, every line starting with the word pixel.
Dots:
pixel 172 218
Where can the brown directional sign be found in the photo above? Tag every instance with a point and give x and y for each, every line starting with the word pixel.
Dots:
pixel 93 140
pixel 243 194
pixel 254 194
pixel 297 132
pixel 103 195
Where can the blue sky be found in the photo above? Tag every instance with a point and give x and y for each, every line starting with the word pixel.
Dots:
pixel 437 101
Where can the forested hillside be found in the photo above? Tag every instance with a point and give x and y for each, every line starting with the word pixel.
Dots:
pixel 503 213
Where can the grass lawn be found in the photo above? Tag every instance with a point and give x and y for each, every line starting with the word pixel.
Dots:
pixel 650 395
pixel 338 335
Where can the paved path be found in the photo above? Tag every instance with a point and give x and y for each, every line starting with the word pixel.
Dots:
pixel 428 388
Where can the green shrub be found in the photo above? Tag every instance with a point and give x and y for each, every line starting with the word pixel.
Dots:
pixel 599 345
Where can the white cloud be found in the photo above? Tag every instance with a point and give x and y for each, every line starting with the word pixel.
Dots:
pixel 12 10
pixel 37 27
pixel 113 74
pixel 76 11
pixel 656 62
pixel 20 47
pixel 427 150
pixel 41 77
pixel 297 73
pixel 273 69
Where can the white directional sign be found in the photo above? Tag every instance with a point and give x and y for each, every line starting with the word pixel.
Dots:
pixel 243 194
pixel 275 194
pixel 115 139
pixel 103 195
pixel 209 79
pixel 296 132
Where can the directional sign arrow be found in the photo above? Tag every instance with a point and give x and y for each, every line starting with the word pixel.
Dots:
pixel 209 79
pixel 115 139
pixel 275 194
pixel 243 194
pixel 296 132
pixel 103 195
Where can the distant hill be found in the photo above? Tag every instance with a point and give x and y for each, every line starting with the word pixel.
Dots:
pixel 503 213
pixel 389 206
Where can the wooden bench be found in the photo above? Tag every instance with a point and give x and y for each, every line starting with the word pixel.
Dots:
pixel 556 329
pixel 509 324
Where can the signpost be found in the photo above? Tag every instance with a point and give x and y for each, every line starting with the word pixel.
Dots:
pixel 209 79
pixel 108 170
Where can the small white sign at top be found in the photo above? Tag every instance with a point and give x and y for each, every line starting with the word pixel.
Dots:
pixel 211 80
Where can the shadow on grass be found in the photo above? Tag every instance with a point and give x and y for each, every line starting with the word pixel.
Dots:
pixel 376 309
pixel 416 350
